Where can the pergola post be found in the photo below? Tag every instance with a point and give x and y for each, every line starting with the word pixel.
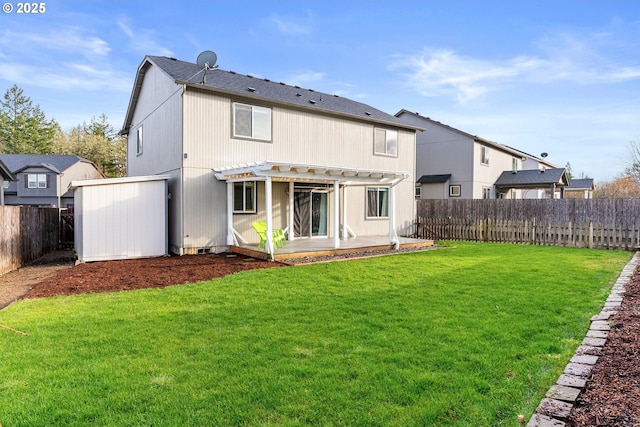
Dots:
pixel 393 236
pixel 230 213
pixel 269 215
pixel 336 214
pixel 291 207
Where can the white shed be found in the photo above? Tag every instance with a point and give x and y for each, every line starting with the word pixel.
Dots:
pixel 120 218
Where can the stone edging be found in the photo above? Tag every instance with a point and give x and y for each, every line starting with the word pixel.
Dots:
pixel 555 408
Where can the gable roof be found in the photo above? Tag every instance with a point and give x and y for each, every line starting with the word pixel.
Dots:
pixel 5 172
pixel 476 138
pixel 532 178
pixel 231 83
pixel 581 184
pixel 55 162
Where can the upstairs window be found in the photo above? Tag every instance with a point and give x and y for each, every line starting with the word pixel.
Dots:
pixel 37 180
pixel 244 197
pixel 484 155
pixel 377 202
pixel 139 141
pixel 250 121
pixel 514 164
pixel 385 142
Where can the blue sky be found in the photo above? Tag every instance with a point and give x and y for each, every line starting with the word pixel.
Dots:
pixel 561 77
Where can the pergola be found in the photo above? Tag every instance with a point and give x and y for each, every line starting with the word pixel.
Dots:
pixel 269 172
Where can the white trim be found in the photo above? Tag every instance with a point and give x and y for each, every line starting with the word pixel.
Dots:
pixel 107 181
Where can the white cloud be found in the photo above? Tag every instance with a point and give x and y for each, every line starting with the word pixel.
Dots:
pixel 305 78
pixel 564 57
pixel 292 26
pixel 144 41
pixel 59 39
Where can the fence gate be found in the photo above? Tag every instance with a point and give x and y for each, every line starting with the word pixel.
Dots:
pixel 66 229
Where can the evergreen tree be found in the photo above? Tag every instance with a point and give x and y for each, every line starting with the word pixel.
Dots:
pixel 24 128
pixel 97 142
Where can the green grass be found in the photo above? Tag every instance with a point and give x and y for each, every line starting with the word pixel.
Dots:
pixel 466 336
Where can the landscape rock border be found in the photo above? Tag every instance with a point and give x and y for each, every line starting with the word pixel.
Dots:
pixel 555 408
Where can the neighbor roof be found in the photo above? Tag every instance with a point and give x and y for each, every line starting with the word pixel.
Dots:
pixel 502 147
pixel 5 172
pixel 55 162
pixel 532 178
pixel 581 184
pixel 232 83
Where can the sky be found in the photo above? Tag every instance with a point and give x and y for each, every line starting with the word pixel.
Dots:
pixel 553 76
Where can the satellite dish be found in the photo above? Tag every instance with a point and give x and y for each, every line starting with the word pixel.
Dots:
pixel 207 60
pixel 543 155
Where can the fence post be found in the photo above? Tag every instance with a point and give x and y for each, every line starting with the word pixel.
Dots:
pixel 590 234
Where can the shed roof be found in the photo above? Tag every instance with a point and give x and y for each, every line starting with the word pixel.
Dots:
pixel 232 83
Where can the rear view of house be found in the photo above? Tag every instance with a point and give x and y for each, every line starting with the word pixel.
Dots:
pixel 241 149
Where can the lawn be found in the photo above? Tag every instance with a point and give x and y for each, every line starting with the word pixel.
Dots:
pixel 467 336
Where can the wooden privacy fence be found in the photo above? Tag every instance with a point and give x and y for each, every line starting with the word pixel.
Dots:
pixel 595 223
pixel 26 233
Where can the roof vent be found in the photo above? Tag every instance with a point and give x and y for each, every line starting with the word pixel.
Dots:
pixel 282 83
pixel 251 89
pixel 250 76
pixel 367 113
pixel 311 90
pixel 297 87
pixel 267 80
pixel 298 94
pixel 312 101
pixel 232 72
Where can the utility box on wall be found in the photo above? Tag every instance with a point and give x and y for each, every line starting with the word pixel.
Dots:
pixel 121 218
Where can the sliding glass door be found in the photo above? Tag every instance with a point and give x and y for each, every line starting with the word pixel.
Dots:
pixel 310 212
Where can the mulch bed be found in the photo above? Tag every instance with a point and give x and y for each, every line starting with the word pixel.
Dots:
pixel 612 395
pixel 122 275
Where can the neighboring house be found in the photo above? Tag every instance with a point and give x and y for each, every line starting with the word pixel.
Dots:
pixel 6 176
pixel 451 163
pixel 580 189
pixel 43 179
pixel 240 149
pixel 555 180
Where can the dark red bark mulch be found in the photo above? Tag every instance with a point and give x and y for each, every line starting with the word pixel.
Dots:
pixel 612 395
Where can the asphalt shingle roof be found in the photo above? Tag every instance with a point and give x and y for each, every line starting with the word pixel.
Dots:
pixel 61 162
pixel 265 89
pixel 531 177
pixel 584 183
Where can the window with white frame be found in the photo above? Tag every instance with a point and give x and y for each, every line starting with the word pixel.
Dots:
pixel 244 197
pixel 486 192
pixel 139 141
pixel 418 192
pixel 377 202
pixel 454 191
pixel 515 166
pixel 484 155
pixel 250 121
pixel 385 142
pixel 37 180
